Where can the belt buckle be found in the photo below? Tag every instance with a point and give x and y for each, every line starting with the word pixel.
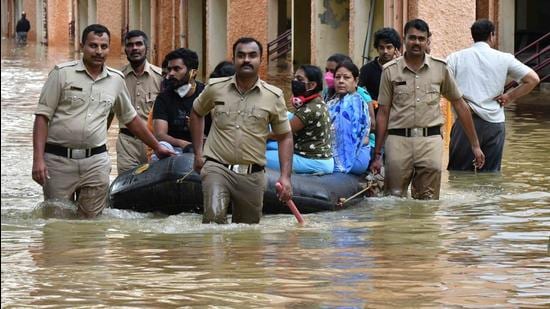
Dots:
pixel 78 153
pixel 239 168
pixel 416 132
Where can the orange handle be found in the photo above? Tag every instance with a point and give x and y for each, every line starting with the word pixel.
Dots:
pixel 291 205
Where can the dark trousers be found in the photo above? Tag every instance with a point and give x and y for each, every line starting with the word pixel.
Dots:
pixel 491 138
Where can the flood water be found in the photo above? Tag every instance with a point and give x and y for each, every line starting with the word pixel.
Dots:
pixel 485 244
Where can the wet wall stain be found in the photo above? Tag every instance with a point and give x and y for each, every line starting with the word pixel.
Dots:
pixel 335 13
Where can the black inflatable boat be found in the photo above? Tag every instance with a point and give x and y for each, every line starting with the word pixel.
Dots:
pixel 168 186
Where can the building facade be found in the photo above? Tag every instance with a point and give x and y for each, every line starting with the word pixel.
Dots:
pixel 316 28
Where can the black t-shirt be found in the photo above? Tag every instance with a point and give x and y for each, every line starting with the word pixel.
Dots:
pixel 175 110
pixel 369 77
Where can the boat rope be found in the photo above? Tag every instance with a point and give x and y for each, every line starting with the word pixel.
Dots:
pixel 184 176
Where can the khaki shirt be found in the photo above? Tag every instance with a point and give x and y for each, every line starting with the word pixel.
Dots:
pixel 143 89
pixel 413 97
pixel 240 121
pixel 77 107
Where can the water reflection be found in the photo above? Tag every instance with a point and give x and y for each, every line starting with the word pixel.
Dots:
pixel 484 244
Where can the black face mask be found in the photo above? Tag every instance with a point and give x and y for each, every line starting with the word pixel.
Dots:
pixel 298 88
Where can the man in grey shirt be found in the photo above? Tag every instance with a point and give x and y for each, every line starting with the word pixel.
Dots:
pixel 481 73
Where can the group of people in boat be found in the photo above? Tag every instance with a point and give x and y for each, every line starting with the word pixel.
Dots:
pixel 343 120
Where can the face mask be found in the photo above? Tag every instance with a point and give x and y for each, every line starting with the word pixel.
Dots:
pixel 183 86
pixel 183 90
pixel 329 79
pixel 298 88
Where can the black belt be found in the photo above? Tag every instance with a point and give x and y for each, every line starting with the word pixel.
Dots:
pixel 74 153
pixel 240 168
pixel 412 132
pixel 126 132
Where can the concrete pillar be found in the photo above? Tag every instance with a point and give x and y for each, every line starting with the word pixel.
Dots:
pixel 216 36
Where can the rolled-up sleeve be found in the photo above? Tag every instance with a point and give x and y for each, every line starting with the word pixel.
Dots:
pixel 123 108
pixel 204 103
pixel 279 119
pixel 449 88
pixel 50 95
pixel 386 90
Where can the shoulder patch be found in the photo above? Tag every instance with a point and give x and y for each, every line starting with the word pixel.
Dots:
pixel 390 63
pixel 275 90
pixel 439 59
pixel 217 80
pixel 66 64
pixel 156 69
pixel 115 71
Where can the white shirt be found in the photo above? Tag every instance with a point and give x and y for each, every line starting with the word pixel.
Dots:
pixel 481 73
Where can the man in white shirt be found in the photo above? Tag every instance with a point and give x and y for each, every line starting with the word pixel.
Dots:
pixel 481 73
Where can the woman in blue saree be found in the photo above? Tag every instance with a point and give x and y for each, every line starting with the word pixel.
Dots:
pixel 349 114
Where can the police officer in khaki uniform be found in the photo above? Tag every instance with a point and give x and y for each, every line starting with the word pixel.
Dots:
pixel 70 129
pixel 232 165
pixel 143 82
pixel 411 118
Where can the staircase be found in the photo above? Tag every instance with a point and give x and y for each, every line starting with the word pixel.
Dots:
pixel 280 47
pixel 537 56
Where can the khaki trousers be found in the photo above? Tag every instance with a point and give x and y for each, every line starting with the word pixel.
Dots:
pixel 130 153
pixel 89 177
pixel 416 161
pixel 222 186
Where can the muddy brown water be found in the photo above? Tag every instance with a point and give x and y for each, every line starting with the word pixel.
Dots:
pixel 485 244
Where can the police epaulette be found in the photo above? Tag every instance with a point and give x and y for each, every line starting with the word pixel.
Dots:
pixel 115 71
pixel 66 64
pixel 438 59
pixel 217 80
pixel 389 63
pixel 275 90
pixel 156 69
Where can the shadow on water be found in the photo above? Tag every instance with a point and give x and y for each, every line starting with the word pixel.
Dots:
pixel 484 244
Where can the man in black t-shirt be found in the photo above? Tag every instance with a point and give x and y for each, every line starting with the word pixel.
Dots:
pixel 174 104
pixel 387 43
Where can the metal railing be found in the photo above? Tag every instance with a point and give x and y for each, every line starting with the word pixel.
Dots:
pixel 542 47
pixel 280 46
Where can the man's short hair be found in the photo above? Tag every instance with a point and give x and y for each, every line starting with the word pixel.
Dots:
pixel 387 35
pixel 136 33
pixel 189 57
pixel 418 24
pixel 97 29
pixel 246 40
pixel 482 29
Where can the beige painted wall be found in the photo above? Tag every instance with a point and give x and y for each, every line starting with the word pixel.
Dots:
pixel 109 14
pixel 58 22
pixel 249 18
pixel 449 22
pixel 330 30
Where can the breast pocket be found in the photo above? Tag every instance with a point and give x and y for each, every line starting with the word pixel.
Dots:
pixel 256 121
pixel 106 104
pixel 401 95
pixel 432 95
pixel 223 118
pixel 74 101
